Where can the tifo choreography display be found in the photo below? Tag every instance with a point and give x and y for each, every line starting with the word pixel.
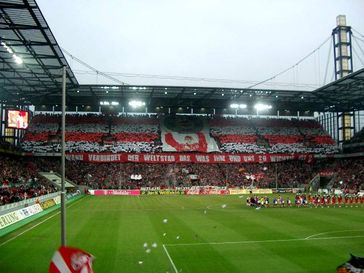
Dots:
pixel 146 134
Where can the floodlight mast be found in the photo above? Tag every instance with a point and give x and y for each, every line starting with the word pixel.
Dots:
pixel 63 188
pixel 343 66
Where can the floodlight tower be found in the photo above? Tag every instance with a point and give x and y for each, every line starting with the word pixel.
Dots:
pixel 341 36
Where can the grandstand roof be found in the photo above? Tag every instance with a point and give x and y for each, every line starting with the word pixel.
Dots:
pixel 25 32
pixel 38 80
pixel 345 94
pixel 196 97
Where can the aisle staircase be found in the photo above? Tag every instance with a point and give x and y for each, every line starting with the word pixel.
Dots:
pixel 56 179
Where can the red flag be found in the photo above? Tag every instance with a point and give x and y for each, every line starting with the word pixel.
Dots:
pixel 71 260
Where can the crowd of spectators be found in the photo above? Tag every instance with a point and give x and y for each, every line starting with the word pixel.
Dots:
pixel 294 173
pixel 287 174
pixel 20 180
pixel 270 175
pixel 136 175
pixel 349 174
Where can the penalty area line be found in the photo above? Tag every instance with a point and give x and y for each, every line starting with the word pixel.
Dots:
pixel 170 259
pixel 21 233
pixel 267 241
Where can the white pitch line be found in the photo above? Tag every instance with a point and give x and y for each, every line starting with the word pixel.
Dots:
pixel 266 241
pixel 330 232
pixel 170 259
pixel 13 238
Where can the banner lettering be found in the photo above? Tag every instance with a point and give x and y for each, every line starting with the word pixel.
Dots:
pixel 162 158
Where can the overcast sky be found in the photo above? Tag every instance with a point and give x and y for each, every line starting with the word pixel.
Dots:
pixel 246 41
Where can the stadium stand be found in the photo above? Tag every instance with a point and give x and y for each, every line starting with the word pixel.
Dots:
pixel 289 174
pixel 358 137
pixel 259 135
pixel 20 180
pixel 91 133
pixel 349 174
pixel 355 144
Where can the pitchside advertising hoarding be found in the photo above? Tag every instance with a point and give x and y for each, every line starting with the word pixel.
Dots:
pixel 250 191
pixel 206 190
pixel 23 213
pixel 115 192
pixel 186 158
pixel 15 216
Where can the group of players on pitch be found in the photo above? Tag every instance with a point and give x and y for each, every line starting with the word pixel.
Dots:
pixel 304 200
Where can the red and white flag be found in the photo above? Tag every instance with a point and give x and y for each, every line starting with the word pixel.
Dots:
pixel 71 260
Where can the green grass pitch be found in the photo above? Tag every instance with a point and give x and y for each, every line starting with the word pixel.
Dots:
pixel 200 235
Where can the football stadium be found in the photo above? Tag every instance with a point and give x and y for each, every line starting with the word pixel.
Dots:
pixel 178 174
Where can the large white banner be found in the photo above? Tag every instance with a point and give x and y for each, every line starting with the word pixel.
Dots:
pixel 186 134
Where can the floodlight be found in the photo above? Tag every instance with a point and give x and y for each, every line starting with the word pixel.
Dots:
pixel 114 103
pixel 17 59
pixel 136 103
pixel 236 106
pixel 262 107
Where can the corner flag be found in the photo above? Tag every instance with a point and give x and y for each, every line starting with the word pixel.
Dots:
pixel 71 260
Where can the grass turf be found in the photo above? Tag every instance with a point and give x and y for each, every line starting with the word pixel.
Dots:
pixel 200 236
